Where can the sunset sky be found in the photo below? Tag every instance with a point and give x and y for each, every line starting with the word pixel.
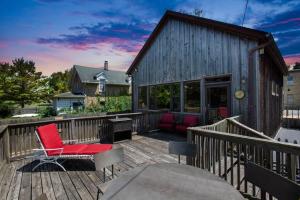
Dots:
pixel 59 33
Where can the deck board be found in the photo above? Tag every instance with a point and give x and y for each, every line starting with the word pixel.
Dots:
pixel 81 180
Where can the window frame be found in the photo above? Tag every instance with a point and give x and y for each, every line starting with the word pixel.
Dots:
pixel 290 82
pixel 138 97
pixel 184 95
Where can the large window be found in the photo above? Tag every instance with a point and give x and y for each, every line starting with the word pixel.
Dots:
pixel 142 97
pixel 175 97
pixel 192 96
pixel 160 97
pixel 290 99
pixel 165 96
pixel 290 80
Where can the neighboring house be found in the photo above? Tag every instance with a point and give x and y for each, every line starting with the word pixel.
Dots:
pixel 292 86
pixel 195 65
pixel 68 100
pixel 100 82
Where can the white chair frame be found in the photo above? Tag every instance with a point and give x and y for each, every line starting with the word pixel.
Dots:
pixel 44 158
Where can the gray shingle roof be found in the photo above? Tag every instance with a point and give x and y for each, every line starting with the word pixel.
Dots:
pixel 88 74
pixel 69 95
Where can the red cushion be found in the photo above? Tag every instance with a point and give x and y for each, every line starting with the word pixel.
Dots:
pixel 82 149
pixel 73 149
pixel 92 149
pixel 49 137
pixel 167 118
pixel 168 127
pixel 223 112
pixel 181 128
pixel 190 120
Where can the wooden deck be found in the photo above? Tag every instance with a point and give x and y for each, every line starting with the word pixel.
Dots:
pixel 81 180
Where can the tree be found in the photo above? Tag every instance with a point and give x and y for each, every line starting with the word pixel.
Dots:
pixel 24 85
pixel 59 82
pixel 5 81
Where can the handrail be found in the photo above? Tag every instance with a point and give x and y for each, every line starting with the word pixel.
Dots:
pixel 255 132
pixel 21 138
pixel 4 143
pixel 270 144
pixel 224 154
pixel 75 118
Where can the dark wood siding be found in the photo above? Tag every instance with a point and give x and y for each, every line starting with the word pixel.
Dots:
pixel 271 105
pixel 184 51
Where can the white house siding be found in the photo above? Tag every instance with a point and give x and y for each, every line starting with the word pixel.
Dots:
pixel 65 103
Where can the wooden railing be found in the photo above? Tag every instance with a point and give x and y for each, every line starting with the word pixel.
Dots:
pixel 224 154
pixel 3 143
pixel 233 126
pixel 21 139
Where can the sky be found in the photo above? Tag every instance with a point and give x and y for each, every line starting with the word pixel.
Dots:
pixel 56 34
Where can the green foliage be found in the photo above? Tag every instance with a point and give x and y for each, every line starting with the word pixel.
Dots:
pixel 111 104
pixel 47 111
pixel 21 83
pixel 59 82
pixel 6 109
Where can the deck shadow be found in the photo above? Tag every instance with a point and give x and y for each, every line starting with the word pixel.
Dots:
pixel 165 136
pixel 69 165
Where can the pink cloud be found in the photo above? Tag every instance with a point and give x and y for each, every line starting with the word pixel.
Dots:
pixel 292 59
pixel 282 22
pixel 3 45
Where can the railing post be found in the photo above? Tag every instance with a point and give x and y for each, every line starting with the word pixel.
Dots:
pixel 7 145
pixel 73 130
pixel 189 140
pixel 291 166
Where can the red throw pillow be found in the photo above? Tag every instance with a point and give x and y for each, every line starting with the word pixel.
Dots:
pixel 167 118
pixel 190 120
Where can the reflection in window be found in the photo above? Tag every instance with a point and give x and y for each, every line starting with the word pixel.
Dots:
pixel 192 97
pixel 165 97
pixel 142 97
pixel 175 97
pixel 160 97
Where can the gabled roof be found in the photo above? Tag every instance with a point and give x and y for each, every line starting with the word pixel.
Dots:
pixel 240 31
pixel 88 75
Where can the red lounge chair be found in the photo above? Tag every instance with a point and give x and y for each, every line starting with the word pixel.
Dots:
pixel 53 147
pixel 188 121
pixel 167 122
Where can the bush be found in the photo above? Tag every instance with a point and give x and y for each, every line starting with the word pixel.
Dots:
pixel 6 110
pixel 47 112
pixel 111 105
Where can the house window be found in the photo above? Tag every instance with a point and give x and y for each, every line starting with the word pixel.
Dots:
pixel 165 96
pixel 290 99
pixel 102 85
pixel 175 97
pixel 290 80
pixel 142 97
pixel 160 97
pixel 192 96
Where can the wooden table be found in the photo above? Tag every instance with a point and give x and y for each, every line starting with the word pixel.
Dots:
pixel 170 181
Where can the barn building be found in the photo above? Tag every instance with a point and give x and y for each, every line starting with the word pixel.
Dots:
pixel 195 65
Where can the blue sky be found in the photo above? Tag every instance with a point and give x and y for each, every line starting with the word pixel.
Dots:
pixel 59 33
